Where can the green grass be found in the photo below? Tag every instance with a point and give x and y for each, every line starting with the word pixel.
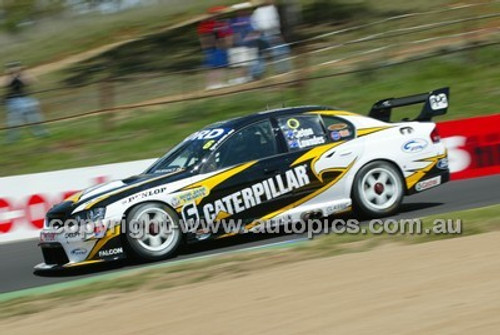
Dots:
pixel 165 276
pixel 474 78
pixel 63 35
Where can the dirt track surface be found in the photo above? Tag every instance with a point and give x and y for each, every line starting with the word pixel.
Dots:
pixel 444 287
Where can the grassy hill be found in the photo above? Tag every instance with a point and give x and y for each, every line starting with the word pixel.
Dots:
pixel 474 78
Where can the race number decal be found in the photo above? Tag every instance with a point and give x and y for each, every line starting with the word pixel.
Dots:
pixel 190 214
pixel 438 101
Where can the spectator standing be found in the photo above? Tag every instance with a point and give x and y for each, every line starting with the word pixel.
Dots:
pixel 258 45
pixel 215 38
pixel 21 108
pixel 266 20
pixel 241 54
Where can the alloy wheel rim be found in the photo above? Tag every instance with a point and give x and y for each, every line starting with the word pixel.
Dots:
pixel 156 229
pixel 379 188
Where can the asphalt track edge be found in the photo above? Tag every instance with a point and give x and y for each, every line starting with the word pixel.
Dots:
pixel 46 289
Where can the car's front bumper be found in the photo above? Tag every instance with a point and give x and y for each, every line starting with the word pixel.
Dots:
pixel 62 250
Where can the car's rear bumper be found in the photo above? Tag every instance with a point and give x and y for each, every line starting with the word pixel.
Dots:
pixel 429 181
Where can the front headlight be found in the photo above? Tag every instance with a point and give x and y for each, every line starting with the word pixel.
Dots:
pixel 91 215
pixel 96 214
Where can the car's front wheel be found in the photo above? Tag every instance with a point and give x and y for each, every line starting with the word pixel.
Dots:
pixel 378 189
pixel 152 231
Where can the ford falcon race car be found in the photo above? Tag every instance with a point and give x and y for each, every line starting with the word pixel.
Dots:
pixel 273 167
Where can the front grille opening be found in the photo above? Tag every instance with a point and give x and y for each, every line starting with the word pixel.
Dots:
pixel 54 254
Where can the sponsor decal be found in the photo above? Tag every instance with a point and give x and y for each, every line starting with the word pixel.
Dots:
pixel 144 195
pixel 99 230
pixel 79 251
pixel 429 183
pixel 168 170
pixel 293 144
pixel 189 196
pixel 406 130
pixel 304 143
pixel 175 202
pixel 293 123
pixel 415 145
pixel 110 252
pixel 335 135
pixel 208 134
pixel 337 126
pixel 208 144
pixel 443 164
pixel 252 196
pixel 438 101
pixel 299 133
pixel 72 235
pixel 47 236
pixel 302 138
pixel 345 132
pixel 337 207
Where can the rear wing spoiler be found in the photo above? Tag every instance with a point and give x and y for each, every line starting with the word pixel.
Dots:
pixel 435 103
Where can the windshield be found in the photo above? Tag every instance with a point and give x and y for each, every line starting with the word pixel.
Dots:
pixel 191 151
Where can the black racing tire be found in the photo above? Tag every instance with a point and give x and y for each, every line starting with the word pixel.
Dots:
pixel 378 190
pixel 152 232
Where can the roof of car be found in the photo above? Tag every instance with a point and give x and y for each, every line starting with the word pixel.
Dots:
pixel 248 119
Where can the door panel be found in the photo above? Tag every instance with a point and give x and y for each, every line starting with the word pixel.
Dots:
pixel 251 191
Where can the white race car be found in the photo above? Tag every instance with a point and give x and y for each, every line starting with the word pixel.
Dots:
pixel 276 166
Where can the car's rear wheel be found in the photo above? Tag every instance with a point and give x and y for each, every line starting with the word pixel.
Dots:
pixel 378 189
pixel 153 231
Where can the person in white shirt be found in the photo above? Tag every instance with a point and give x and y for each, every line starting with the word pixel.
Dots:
pixel 266 20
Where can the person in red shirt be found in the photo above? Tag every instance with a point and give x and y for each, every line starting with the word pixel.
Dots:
pixel 215 37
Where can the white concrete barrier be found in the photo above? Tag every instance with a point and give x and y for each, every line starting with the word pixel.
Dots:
pixel 24 199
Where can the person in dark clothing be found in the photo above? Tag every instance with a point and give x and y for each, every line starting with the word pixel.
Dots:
pixel 255 42
pixel 21 108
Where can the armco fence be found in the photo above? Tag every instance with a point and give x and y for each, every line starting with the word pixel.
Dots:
pixel 473 150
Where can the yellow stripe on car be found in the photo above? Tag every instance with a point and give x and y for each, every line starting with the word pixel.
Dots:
pixel 111 233
pixel 368 131
pixel 93 261
pixel 269 216
pixel 418 174
pixel 334 113
pixel 75 197
pixel 315 154
pixel 106 196
pixel 211 182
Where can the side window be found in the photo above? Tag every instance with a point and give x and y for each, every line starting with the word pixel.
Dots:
pixel 250 143
pixel 302 131
pixel 338 129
